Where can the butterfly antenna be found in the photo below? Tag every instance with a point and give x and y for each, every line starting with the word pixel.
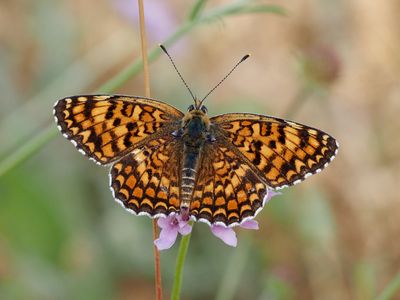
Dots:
pixel 176 69
pixel 226 76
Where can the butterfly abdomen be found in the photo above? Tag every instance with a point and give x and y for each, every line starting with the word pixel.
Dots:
pixel 194 137
pixel 189 171
pixel 187 183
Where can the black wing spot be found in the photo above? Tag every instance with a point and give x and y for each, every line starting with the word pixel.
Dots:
pixel 272 144
pixel 130 126
pixel 127 142
pixel 117 122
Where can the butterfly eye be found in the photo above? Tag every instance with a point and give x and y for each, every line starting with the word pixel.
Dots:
pixel 204 109
pixel 191 107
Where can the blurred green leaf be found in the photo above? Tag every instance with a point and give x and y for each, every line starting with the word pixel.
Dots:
pixel 391 290
pixel 277 289
pixel 233 271
pixel 196 9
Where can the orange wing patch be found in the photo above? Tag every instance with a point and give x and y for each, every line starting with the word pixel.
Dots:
pixel 107 127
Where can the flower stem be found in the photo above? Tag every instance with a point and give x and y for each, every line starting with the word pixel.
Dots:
pixel 180 261
pixel 146 72
pixel 143 41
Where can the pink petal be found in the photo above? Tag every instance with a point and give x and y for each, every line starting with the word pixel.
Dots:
pixel 186 229
pixel 167 238
pixel 250 224
pixel 227 235
pixel 165 222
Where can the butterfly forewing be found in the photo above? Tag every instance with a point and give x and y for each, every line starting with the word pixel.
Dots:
pixel 281 152
pixel 105 128
pixel 227 190
pixel 147 180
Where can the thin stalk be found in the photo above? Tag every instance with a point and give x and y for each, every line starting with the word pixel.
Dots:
pixel 180 262
pixel 143 42
pixel 146 72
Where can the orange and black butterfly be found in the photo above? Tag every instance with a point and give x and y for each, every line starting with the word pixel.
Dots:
pixel 217 170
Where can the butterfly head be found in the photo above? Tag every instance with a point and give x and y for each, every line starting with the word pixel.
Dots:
pixel 197 108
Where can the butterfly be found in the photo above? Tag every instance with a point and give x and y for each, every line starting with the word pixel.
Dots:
pixel 216 170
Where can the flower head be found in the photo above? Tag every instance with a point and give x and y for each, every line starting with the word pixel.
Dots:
pixel 178 223
pixel 170 227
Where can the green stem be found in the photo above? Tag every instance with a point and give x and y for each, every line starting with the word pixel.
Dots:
pixel 180 261
pixel 391 289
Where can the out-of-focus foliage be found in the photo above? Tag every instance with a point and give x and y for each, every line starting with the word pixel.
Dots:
pixel 329 64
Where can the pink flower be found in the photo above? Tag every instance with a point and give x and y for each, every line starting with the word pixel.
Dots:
pixel 170 227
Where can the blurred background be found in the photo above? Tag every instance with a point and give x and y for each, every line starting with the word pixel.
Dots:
pixel 334 65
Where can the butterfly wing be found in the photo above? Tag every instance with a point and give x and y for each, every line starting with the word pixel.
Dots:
pixel 105 128
pixel 280 152
pixel 227 190
pixel 146 181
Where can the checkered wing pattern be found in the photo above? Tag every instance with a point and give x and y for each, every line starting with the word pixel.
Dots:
pixel 147 180
pixel 105 128
pixel 280 152
pixel 227 190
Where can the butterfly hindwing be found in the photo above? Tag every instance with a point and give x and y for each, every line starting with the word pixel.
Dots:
pixel 107 127
pixel 227 191
pixel 282 152
pixel 147 180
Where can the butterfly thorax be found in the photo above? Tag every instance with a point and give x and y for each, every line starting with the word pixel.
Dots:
pixel 194 133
